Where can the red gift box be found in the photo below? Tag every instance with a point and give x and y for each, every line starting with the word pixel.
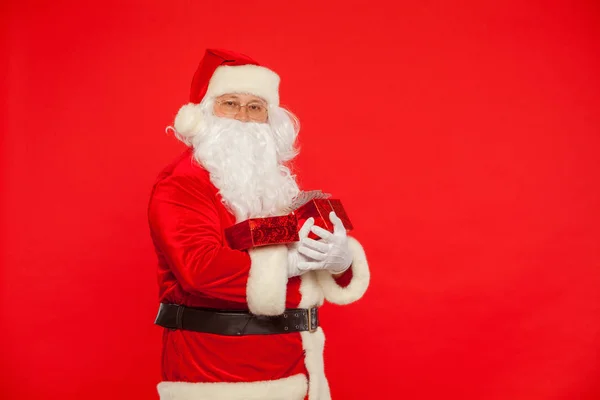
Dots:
pixel 319 209
pixel 262 231
pixel 279 230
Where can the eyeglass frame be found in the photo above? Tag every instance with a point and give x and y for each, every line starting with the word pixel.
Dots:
pixel 256 102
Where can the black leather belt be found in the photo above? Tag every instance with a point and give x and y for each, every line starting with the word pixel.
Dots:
pixel 236 323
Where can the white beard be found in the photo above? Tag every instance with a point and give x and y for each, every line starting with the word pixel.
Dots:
pixel 244 164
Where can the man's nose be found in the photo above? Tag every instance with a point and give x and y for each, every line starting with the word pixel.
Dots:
pixel 242 115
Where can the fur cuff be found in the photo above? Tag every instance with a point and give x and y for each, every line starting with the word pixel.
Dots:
pixel 291 388
pixel 360 278
pixel 267 281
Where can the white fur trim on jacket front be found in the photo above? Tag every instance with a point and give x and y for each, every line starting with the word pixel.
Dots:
pixel 314 343
pixel 267 281
pixel 290 388
pixel 336 294
pixel 252 79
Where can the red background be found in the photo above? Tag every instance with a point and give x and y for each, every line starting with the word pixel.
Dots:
pixel 462 136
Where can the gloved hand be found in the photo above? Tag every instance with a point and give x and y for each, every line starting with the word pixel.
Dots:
pixel 331 252
pixel 295 259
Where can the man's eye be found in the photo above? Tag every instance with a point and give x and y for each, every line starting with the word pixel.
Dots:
pixel 255 107
pixel 229 103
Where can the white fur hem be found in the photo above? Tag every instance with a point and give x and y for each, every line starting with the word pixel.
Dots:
pixel 360 278
pixel 290 388
pixel 267 281
pixel 252 79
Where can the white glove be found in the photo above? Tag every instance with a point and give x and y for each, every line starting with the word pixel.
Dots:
pixel 294 257
pixel 331 252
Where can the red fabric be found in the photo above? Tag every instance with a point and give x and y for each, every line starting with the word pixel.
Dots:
pixel 344 279
pixel 197 268
pixel 214 58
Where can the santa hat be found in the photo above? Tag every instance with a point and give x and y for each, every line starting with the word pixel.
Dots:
pixel 221 72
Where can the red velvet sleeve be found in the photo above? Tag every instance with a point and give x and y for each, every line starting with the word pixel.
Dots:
pixel 184 219
pixel 344 279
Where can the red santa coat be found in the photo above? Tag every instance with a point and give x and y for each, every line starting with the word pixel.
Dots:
pixel 197 268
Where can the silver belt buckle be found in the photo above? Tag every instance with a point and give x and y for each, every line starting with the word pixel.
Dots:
pixel 312 319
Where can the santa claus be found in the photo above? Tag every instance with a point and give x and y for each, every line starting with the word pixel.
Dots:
pixel 242 325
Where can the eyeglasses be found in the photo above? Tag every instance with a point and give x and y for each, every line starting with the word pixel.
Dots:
pixel 256 111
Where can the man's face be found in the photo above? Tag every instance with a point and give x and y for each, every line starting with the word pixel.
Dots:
pixel 243 107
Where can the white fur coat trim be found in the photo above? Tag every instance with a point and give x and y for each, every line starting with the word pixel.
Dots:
pixel 267 281
pixel 336 294
pixel 290 388
pixel 314 344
